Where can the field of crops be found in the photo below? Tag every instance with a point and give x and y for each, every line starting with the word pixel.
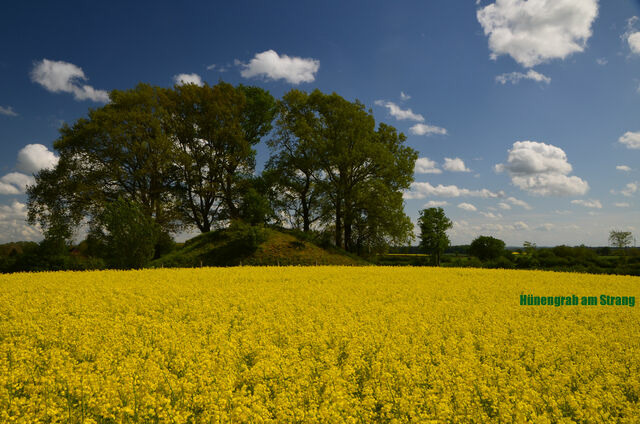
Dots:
pixel 317 344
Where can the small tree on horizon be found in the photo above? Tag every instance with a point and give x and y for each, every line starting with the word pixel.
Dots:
pixel 486 247
pixel 433 232
pixel 620 239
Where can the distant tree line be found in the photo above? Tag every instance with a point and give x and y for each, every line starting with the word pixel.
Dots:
pixel 155 161
pixel 490 252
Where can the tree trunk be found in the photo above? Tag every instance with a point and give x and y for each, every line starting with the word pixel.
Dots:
pixel 338 223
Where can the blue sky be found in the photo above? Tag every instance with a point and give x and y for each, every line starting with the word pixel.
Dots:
pixel 525 113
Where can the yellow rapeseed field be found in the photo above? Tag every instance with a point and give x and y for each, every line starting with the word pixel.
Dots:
pixel 316 344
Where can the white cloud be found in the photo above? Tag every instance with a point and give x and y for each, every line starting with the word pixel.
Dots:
pixel 518 202
pixel 545 227
pixel 404 96
pixel 34 157
pixel 13 224
pixel 515 77
pixel 64 77
pixel 435 204
pixel 632 36
pixel 504 206
pixel 273 66
pixel 182 79
pixel 519 225
pixel 594 204
pixel 467 207
pixel 536 31
pixel 31 159
pixel 622 205
pixel 491 215
pixel 399 113
pixel 426 166
pixel 423 129
pixel 541 169
pixel 455 165
pixel 211 67
pixel 7 111
pixel 421 190
pixel 602 61
pixel 630 139
pixel 629 189
pixel 15 183
pixel 6 188
pixel 624 168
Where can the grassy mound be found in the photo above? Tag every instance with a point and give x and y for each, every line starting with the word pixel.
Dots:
pixel 246 245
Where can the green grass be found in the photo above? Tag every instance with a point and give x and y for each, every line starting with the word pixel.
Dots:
pixel 252 246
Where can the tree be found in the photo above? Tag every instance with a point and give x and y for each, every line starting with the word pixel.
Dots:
pixel 122 150
pixel 214 129
pixel 620 239
pixel 127 234
pixel 433 232
pixel 486 247
pixel 354 159
pixel 292 167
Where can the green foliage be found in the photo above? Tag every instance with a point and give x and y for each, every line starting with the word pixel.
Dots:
pixel 486 248
pixel 127 234
pixel 333 165
pixel 620 239
pixel 243 244
pixel 433 225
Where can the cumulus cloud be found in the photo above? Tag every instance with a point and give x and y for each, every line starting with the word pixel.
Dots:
pixel 435 204
pixel 536 31
pixel 426 166
pixel 519 225
pixel 182 79
pixel 518 202
pixel 455 165
pixel 594 204
pixel 271 65
pixel 628 190
pixel 13 224
pixel 467 207
pixel 491 215
pixel 421 190
pixel 504 205
pixel 399 113
pixel 541 169
pixel 423 129
pixel 624 168
pixel 515 77
pixel 34 157
pixel 545 227
pixel 15 183
pixel 632 35
pixel 404 96
pixel 64 77
pixel 7 111
pixel 630 139
pixel 31 159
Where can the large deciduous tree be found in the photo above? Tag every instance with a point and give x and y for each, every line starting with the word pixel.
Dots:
pixel 334 161
pixel 486 247
pixel 433 232
pixel 120 150
pixel 292 168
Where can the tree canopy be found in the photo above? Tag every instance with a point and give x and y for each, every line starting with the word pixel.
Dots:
pixel 486 247
pixel 336 166
pixel 433 232
pixel 184 157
